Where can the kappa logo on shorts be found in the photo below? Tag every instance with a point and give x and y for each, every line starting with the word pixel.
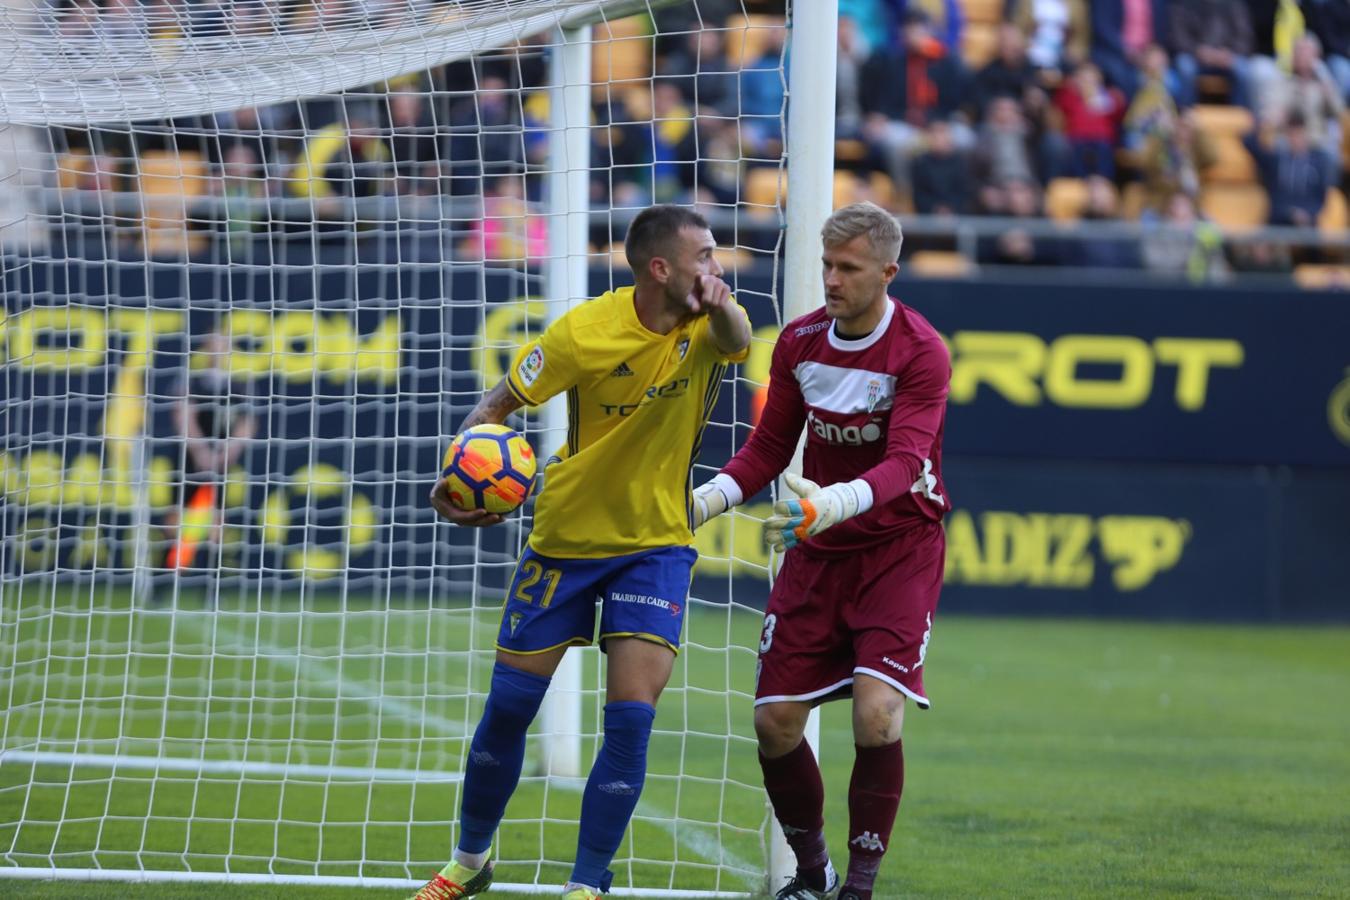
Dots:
pixel 895 665
pixel 923 646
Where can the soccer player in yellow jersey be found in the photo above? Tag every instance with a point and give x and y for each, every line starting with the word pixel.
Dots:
pixel 641 367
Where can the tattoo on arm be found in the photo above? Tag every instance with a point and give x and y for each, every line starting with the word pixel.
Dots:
pixel 493 408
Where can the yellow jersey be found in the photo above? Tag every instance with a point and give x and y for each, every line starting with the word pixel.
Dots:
pixel 637 403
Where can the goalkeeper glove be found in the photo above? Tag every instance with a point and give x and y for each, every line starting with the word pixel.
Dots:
pixel 712 498
pixel 816 509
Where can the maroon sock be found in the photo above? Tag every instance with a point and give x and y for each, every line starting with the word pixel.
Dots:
pixel 873 798
pixel 798 797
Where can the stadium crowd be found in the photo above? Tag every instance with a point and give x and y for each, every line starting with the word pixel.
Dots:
pixel 1201 115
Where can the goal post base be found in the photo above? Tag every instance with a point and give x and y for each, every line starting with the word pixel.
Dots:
pixel 43 873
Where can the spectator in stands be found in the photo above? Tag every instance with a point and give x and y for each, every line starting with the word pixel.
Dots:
pixel 902 92
pixel 1184 245
pixel 1296 172
pixel 719 168
pixel 1310 90
pixel 878 22
pixel 1092 111
pixel 1172 162
pixel 1153 109
pixel 702 72
pixel 122 19
pixel 850 56
pixel 509 231
pixel 1210 37
pixel 762 98
pixel 79 20
pixel 1103 205
pixel 413 142
pixel 1330 21
pixel 1016 246
pixel 941 174
pixel 341 160
pixel 1009 73
pixel 486 135
pixel 674 143
pixel 1057 33
pixel 1121 31
pixel 1003 154
pixel 243 190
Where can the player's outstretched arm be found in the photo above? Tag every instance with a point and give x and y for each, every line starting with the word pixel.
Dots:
pixel 492 409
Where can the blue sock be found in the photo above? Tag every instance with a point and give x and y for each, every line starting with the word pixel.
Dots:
pixel 612 790
pixel 497 754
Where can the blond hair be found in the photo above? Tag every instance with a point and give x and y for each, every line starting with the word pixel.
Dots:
pixel 881 228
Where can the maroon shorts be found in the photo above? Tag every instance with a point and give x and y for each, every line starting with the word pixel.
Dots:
pixel 830 618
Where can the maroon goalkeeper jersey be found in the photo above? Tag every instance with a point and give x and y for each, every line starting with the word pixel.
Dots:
pixel 873 408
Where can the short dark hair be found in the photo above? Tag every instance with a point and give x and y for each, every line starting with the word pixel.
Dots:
pixel 651 233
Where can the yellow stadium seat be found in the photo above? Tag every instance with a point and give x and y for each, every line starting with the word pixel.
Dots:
pixel 1236 207
pixel 1322 276
pixel 849 151
pixel 747 36
pixel 979 44
pixel 621 50
pixel 166 173
pixel 1132 200
pixel 940 264
pixel 1215 119
pixel 986 11
pixel 848 188
pixel 734 258
pixel 1065 199
pixel 1233 163
pixel 1333 218
pixel 762 189
pixel 882 189
pixel 168 180
pixel 72 167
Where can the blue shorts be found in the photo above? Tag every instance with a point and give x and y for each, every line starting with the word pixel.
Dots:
pixel 551 601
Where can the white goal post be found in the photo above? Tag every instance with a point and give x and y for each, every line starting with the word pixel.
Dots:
pixel 257 260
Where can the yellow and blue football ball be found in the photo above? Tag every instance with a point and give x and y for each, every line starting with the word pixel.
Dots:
pixel 489 467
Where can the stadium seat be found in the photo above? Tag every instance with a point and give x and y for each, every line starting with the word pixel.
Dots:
pixel 1065 199
pixel 167 181
pixel 1132 200
pixel 983 11
pixel 848 188
pixel 1236 207
pixel 1215 119
pixel 979 43
pixel 622 51
pixel 734 259
pixel 762 189
pixel 882 189
pixel 940 264
pixel 1333 218
pixel 73 168
pixel 1322 276
pixel 849 151
pixel 1233 163
pixel 746 37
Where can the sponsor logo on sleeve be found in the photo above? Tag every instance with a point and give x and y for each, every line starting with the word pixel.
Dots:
pixel 531 366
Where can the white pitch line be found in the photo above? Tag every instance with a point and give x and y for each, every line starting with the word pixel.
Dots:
pixel 224 766
pixel 349 689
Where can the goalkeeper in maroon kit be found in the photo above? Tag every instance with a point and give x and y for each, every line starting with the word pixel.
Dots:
pixel 852 609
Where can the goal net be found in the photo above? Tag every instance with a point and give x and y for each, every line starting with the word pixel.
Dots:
pixel 258 261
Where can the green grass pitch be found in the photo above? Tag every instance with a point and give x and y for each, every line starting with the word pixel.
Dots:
pixel 1061 758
